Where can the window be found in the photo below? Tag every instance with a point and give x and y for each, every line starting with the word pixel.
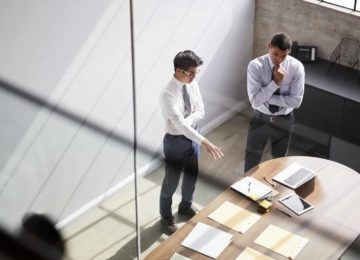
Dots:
pixel 349 4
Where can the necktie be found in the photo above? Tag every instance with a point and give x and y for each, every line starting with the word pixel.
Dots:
pixel 187 105
pixel 274 108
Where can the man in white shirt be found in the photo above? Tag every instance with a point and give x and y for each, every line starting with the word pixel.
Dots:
pixel 275 85
pixel 182 107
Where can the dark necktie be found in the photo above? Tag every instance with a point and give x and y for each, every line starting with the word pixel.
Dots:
pixel 274 108
pixel 187 105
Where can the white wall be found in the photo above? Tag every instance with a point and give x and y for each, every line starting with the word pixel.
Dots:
pixel 77 54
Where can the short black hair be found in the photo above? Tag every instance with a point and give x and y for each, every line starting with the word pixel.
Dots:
pixel 186 59
pixel 282 41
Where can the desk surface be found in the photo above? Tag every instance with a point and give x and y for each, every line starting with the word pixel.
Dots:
pixel 340 80
pixel 331 226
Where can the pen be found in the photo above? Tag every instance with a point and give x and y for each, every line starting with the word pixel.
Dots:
pixel 249 187
pixel 283 212
pixel 272 184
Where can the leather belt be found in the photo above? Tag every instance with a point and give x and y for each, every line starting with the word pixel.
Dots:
pixel 272 118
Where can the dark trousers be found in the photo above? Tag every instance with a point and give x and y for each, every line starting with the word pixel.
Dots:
pixel 262 128
pixel 181 155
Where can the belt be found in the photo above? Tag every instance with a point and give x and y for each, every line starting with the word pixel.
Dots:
pixel 170 135
pixel 271 118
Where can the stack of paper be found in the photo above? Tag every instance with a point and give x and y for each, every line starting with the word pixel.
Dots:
pixel 207 240
pixel 234 217
pixel 252 188
pixel 281 241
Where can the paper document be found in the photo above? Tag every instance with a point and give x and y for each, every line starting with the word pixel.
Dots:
pixel 207 240
pixel 251 254
pixel 252 188
pixel 281 241
pixel 234 217
pixel 177 256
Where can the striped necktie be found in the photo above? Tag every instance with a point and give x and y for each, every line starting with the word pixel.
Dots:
pixel 187 105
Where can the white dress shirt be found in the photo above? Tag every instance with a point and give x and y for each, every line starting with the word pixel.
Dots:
pixel 261 87
pixel 172 107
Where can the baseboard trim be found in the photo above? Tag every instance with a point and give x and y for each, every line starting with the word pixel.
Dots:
pixel 151 166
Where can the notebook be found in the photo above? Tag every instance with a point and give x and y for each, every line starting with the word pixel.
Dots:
pixel 294 176
pixel 252 188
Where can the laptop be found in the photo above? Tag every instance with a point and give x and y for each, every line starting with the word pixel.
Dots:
pixel 294 176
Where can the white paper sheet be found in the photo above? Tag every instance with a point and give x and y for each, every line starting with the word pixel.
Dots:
pixel 207 240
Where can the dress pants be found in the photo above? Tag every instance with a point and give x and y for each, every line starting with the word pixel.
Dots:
pixel 264 127
pixel 181 154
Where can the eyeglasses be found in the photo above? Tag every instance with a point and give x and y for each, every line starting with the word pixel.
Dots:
pixel 190 74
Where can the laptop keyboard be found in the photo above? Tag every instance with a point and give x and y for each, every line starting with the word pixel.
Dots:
pixel 297 176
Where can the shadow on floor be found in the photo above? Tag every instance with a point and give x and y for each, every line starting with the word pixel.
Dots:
pixel 148 237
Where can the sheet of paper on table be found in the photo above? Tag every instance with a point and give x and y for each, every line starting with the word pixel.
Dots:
pixel 207 240
pixel 177 256
pixel 281 241
pixel 234 217
pixel 251 254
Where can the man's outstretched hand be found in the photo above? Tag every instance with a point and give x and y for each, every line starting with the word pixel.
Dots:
pixel 212 149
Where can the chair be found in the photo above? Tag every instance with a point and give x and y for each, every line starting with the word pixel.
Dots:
pixel 346 53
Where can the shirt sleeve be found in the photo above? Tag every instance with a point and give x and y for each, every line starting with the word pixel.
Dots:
pixel 172 113
pixel 293 98
pixel 257 92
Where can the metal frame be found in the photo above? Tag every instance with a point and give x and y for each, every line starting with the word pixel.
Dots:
pixel 353 9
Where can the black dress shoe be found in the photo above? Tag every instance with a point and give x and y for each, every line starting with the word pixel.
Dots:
pixel 189 212
pixel 169 225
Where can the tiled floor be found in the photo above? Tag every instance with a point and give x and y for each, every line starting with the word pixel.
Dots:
pixel 108 231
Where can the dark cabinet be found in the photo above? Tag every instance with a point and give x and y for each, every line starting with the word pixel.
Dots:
pixel 320 110
pixel 350 130
pixel 327 122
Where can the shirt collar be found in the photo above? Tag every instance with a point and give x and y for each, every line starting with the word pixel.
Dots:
pixel 272 64
pixel 177 82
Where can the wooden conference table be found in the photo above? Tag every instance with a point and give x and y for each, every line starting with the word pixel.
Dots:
pixel 331 226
